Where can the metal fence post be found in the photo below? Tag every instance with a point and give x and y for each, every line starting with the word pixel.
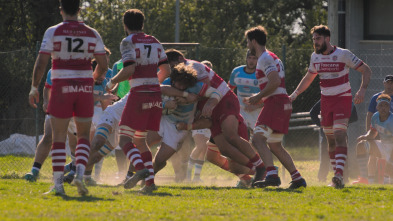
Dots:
pixel 37 49
pixel 284 51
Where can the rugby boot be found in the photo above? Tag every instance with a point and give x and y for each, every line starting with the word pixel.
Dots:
pixel 298 183
pixel 57 190
pixel 31 176
pixel 139 175
pixel 148 189
pixel 268 181
pixel 338 181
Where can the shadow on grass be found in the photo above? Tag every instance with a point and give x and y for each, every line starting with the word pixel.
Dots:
pixel 278 190
pixel 199 187
pixel 84 198
pixel 162 194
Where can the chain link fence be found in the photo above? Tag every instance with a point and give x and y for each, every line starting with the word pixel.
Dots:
pixel 21 125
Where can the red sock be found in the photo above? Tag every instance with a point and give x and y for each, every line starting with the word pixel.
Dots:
pixel 271 171
pixel 133 155
pixel 82 151
pixel 147 161
pixel 225 166
pixel 295 175
pixel 58 156
pixel 257 161
pixel 341 157
pixel 332 156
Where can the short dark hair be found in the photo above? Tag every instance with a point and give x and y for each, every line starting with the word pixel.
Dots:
pixel 258 33
pixel 70 7
pixel 173 54
pixel 184 74
pixel 321 30
pixel 133 19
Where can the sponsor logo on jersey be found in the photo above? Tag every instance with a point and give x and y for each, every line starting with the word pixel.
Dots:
pixel 329 66
pixel 150 105
pixel 334 58
pixel 76 89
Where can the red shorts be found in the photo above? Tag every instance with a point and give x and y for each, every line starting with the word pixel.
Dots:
pixel 335 108
pixel 229 105
pixel 276 113
pixel 71 97
pixel 143 111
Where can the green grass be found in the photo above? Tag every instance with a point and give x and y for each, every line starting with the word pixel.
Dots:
pixel 22 200
pixel 213 200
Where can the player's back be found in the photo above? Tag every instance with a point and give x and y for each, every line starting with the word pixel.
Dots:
pixel 72 45
pixel 147 53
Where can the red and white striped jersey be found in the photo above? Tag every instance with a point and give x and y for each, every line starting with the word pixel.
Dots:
pixel 204 72
pixel 333 70
pixel 267 63
pixel 72 45
pixel 147 53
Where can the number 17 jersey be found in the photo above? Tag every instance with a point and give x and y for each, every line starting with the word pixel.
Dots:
pixel 72 45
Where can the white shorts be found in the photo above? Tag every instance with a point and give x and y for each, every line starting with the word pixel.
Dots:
pixel 250 118
pixel 385 149
pixel 170 135
pixel 96 117
pixel 204 132
pixel 111 116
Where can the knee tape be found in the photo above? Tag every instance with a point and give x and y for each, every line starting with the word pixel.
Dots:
pixel 140 134
pixel 275 138
pixel 340 127
pixel 212 147
pixel 328 130
pixel 264 130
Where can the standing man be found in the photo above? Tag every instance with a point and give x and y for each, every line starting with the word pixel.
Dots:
pixel 72 45
pixel 332 64
pixel 273 121
pixel 243 78
pixel 141 55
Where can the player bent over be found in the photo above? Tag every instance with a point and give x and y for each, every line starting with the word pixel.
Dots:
pixel 369 148
pixel 183 78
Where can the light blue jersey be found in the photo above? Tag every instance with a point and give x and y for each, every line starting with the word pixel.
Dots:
pixel 185 112
pixel 385 129
pixel 247 84
pixel 48 79
pixel 108 74
pixel 99 89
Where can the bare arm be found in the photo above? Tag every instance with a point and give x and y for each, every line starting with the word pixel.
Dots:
pixel 201 123
pixel 370 135
pixel 366 75
pixel 273 82
pixel 122 75
pixel 38 71
pixel 368 120
pixel 45 97
pixel 101 68
pixel 173 92
pixel 303 85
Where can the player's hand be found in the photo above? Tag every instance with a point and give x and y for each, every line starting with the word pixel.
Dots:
pixel 171 104
pixel 293 96
pixel 109 97
pixel 363 137
pixel 181 126
pixel 253 100
pixel 45 106
pixel 181 100
pixel 109 86
pixel 251 108
pixel 359 96
pixel 207 110
pixel 34 97
pixel 191 98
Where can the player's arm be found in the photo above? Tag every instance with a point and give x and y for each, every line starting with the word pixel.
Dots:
pixel 370 135
pixel 214 98
pixel 366 75
pixel 274 81
pixel 303 85
pixel 124 74
pixel 368 120
pixel 173 92
pixel 164 72
pixel 38 71
pixel 101 68
pixel 201 123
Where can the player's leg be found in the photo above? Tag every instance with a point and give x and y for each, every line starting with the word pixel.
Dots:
pixel 362 155
pixel 197 156
pixel 59 136
pixel 72 143
pixel 42 151
pixel 82 151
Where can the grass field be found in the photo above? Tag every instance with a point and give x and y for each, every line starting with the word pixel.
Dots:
pixel 213 200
